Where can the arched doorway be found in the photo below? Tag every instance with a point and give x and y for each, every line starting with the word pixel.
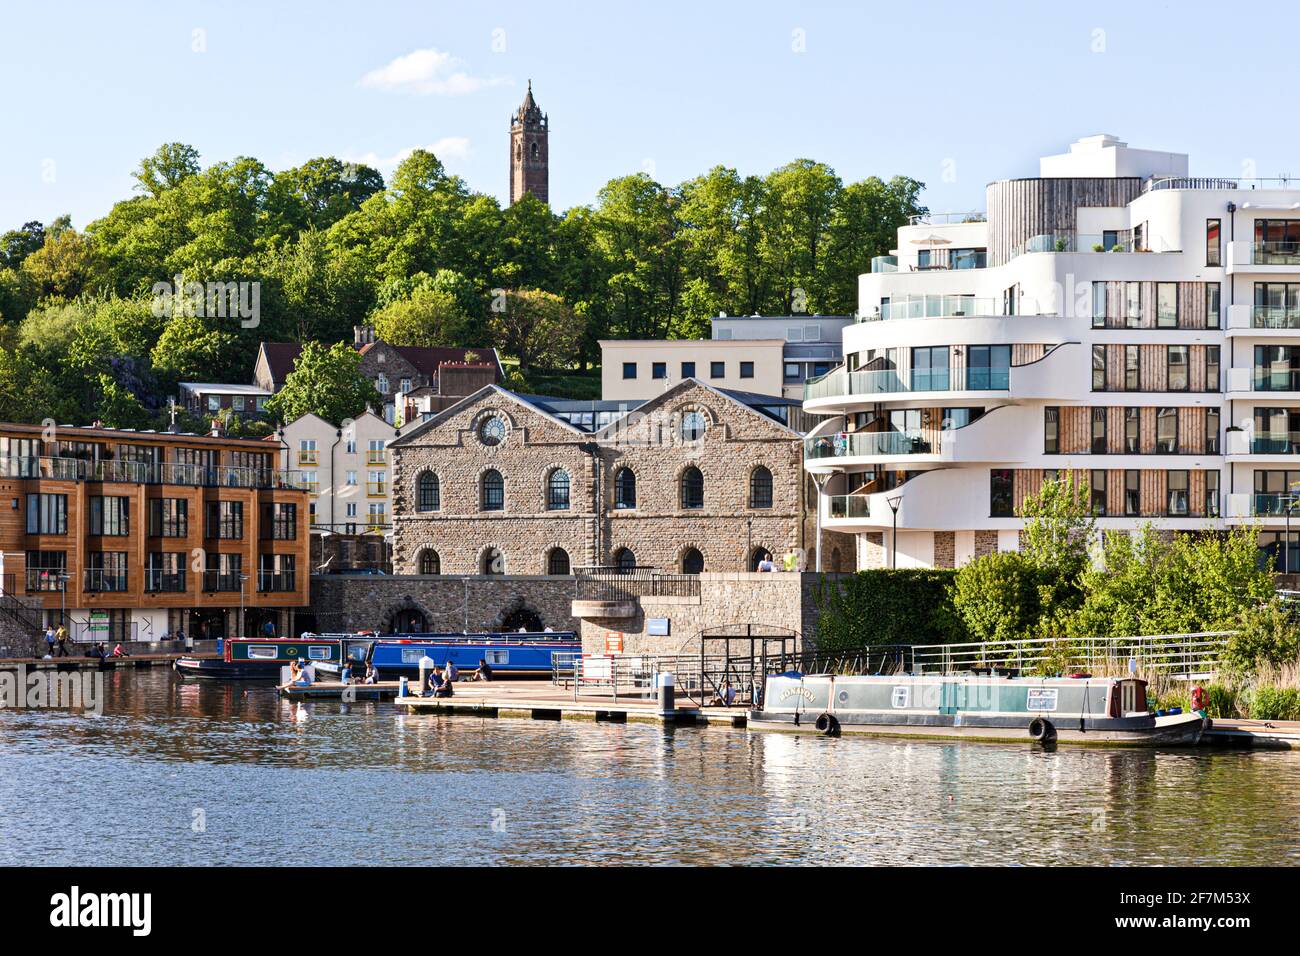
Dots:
pixel 758 556
pixel 521 618
pixel 409 620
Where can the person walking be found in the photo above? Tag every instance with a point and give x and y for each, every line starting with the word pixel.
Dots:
pixel 61 635
pixel 49 640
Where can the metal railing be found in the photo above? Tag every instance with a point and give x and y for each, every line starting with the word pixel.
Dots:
pixel 47 579
pixel 1276 443
pixel 1274 317
pixel 221 581
pixel 946 218
pixel 1281 380
pixel 276 581
pixel 1276 253
pixel 1177 655
pixel 141 472
pixel 1194 182
pixel 155 580
pixel 105 582
pixel 614 585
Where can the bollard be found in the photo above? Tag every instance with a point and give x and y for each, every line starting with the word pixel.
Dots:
pixel 401 687
pixel 667 693
pixel 427 664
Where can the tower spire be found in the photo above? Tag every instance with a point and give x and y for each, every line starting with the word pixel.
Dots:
pixel 529 150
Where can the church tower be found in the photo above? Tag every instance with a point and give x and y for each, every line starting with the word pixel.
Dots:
pixel 529 152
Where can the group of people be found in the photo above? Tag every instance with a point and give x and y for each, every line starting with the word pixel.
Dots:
pixel 345 674
pixel 56 644
pixel 440 680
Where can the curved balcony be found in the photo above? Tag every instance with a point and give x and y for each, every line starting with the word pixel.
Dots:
pixel 838 385
pixel 832 452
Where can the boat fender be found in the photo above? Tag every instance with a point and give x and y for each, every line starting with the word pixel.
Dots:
pixel 828 725
pixel 1042 730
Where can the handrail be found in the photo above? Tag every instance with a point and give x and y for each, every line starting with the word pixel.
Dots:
pixel 142 472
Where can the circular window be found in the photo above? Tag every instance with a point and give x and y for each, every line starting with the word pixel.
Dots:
pixel 493 430
pixel 693 426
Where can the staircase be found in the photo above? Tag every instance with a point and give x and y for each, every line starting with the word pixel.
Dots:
pixel 20 623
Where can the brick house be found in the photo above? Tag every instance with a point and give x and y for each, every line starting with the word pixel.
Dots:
pixel 694 479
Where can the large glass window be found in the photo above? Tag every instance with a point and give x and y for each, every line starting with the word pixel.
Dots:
pixel 692 488
pixel 493 492
pixel 1277 241
pixel 1212 304
pixel 1167 305
pixel 169 517
pixel 110 515
pixel 1176 366
pixel 1167 431
pixel 1277 368
pixel 988 367
pixel 279 521
pixel 225 520
pixel 624 488
pixel 47 514
pixel 1213 246
pixel 1133 305
pixel 1051 430
pixel 428 494
pixel 1099 368
pixel 1132 430
pixel 760 488
pixel 1001 493
pixel 1099 416
pixel 1133 368
pixel 930 369
pixel 1277 305
pixel 557 491
pixel 1097 491
pixel 1176 488
pixel 106 571
pixel 165 571
pixel 1132 493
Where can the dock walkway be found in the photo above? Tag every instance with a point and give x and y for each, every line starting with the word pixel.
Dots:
pixel 1265 734
pixel 81 662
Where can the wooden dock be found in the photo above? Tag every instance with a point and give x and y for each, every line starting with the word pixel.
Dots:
pixel 1255 734
pixel 335 690
pixel 94 663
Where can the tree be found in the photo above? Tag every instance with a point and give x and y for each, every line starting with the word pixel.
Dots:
pixel 325 382
pixel 996 597
pixel 441 310
pixel 17 244
pixel 170 164
pixel 536 327
pixel 188 350
pixel 117 407
pixel 63 266
pixel 1058 534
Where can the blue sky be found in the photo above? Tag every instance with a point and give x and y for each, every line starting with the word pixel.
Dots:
pixel 954 94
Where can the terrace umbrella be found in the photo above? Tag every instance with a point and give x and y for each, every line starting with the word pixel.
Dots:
pixel 931 241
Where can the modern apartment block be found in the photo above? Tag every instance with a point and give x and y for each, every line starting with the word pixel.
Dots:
pixel 345 470
pixel 1113 317
pixel 132 535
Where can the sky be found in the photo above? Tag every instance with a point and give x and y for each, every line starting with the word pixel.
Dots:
pixel 952 94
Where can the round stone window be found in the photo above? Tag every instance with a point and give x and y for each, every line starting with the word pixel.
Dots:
pixel 693 426
pixel 492 430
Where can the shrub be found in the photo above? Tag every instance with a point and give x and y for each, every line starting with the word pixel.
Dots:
pixel 1275 703
pixel 996 597
pixel 886 606
pixel 1266 637
pixel 1221 700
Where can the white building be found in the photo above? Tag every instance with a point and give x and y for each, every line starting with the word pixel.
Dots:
pixel 1113 317
pixel 346 469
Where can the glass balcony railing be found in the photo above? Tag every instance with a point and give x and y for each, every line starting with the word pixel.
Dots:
pixel 867 443
pixel 164 580
pixel 1276 380
pixel 150 473
pixel 275 581
pixel 1274 504
pixel 105 581
pixel 935 307
pixel 1274 317
pixel 849 506
pixel 884 264
pixel 843 384
pixel 47 579
pixel 1276 253
pixel 221 581
pixel 1275 443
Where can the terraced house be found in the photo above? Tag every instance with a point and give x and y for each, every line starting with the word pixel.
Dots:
pixel 695 479
pixel 1114 317
pixel 131 535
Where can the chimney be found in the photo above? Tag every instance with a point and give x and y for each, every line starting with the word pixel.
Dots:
pixel 362 335
pixel 216 428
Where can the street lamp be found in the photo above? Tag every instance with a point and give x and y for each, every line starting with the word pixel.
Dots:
pixel 243 579
pixel 749 542
pixel 63 596
pixel 893 503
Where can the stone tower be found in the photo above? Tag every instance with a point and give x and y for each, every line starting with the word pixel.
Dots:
pixel 529 151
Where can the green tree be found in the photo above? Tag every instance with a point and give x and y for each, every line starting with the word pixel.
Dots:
pixel 997 598
pixel 1059 531
pixel 189 350
pixel 536 327
pixel 170 164
pixel 325 382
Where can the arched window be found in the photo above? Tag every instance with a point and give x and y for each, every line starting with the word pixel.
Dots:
pixel 534 150
pixel 428 495
pixel 494 491
pixel 557 561
pixel 624 488
pixel 693 426
pixel 760 488
pixel 757 557
pixel 625 561
pixel 692 561
pixel 692 488
pixel 492 562
pixel 557 491
pixel 429 562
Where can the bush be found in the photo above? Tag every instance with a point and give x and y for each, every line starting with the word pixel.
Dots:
pixel 1275 703
pixel 886 606
pixel 1267 637
pixel 1221 701
pixel 996 597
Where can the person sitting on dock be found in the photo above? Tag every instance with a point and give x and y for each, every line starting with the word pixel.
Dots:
pixel 119 650
pixel 484 672
pixel 452 672
pixel 444 688
pixel 372 675
pixel 432 683
pixel 345 672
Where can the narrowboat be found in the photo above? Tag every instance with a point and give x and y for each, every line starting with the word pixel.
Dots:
pixel 514 654
pixel 1073 710
pixel 248 658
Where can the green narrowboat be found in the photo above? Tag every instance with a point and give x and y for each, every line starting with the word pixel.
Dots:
pixel 1074 710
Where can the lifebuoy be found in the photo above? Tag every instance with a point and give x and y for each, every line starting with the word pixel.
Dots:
pixel 827 725
pixel 1199 698
pixel 1042 730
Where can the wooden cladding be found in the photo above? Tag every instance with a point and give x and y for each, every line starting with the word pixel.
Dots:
pixel 1019 209
pixel 1136 493
pixel 1119 311
pixel 1123 427
pixel 1145 368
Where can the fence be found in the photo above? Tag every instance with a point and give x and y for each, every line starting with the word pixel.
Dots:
pixel 613 585
pixel 1176 655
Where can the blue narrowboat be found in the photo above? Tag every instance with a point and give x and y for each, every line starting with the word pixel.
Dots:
pixel 515 654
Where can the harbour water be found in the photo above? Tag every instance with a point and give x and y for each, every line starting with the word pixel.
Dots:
pixel 204 774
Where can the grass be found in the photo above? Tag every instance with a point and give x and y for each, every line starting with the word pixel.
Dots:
pixel 558 383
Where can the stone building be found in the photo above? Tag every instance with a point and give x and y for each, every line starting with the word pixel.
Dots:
pixel 695 479
pixel 529 151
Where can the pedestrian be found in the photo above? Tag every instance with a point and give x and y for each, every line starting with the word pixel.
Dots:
pixel 61 635
pixel 49 640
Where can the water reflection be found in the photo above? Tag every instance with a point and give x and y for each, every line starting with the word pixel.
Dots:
pixel 368 783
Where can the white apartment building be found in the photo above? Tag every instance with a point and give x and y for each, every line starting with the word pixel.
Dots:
pixel 1113 317
pixel 347 471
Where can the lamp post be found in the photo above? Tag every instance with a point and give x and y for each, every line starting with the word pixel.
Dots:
pixel 63 596
pixel 749 542
pixel 243 579
pixel 893 503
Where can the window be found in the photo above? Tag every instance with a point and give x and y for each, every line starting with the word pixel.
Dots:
pixel 492 562
pixel 1212 494
pixel 376 483
pixel 624 488
pixel 164 571
pixel 1099 305
pixel 351 478
pixel 168 517
pixel 351 511
pixel 222 572
pixel 492 431
pixel 1099 368
pixel 1212 431
pixel 1213 246
pixel 760 488
pixel 1132 368
pixel 110 515
pixel 1099 431
pixel 275 572
pixel 688 370
pixel 930 369
pixel 429 562
pixel 428 495
pixel 1176 368
pixel 959 417
pixel 1166 305
pixel 557 491
pixel 45 570
pixel 692 561
pixel 746 369
pixel 693 426
pixel 625 561
pixel 376 453
pixel 629 370
pixel 1211 368
pixel 658 369
pixel 280 521
pixel 237 402
pixel 1167 431
pixel 307 452
pixel 1097 490
pixel 792 371
pixel 381 383
pixel 717 369
pixel 404 385
pixel 1132 493
pixel 1212 304
pixel 350 446
pixel 1051 430
pixel 47 514
pixel 225 520
pixel 106 571
pixel 377 515
pixel 1176 486
pixel 557 561
pixel 692 488
pixel 1001 493
pixel 1133 305
pixel 493 495
pixel 988 367
pixel 1132 430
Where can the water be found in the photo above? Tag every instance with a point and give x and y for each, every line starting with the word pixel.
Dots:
pixel 194 774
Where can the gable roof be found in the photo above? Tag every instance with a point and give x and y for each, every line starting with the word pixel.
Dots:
pixel 482 393
pixel 279 358
pixel 737 398
pixel 426 359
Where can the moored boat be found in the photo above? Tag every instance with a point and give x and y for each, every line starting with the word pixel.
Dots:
pixel 509 653
pixel 1074 710
pixel 247 658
